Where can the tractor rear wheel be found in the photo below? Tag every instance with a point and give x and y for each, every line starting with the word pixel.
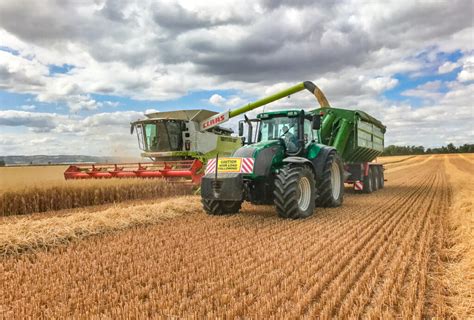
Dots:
pixel 381 178
pixel 221 207
pixel 331 183
pixel 294 192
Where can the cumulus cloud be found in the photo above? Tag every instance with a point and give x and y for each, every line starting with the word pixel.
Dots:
pixel 28 107
pixel 101 134
pixel 157 50
pixel 37 121
pixel 439 123
pixel 447 67
pixel 467 72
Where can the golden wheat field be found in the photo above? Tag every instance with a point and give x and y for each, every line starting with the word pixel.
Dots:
pixel 406 251
pixel 25 190
pixel 14 178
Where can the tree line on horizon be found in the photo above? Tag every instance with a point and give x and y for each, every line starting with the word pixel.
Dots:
pixel 393 150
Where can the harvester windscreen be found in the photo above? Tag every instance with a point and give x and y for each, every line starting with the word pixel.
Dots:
pixel 164 135
pixel 280 128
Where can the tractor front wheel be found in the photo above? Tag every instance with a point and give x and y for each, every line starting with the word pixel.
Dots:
pixel 221 207
pixel 294 192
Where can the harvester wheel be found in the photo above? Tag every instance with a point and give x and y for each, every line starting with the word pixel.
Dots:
pixel 369 182
pixel 294 192
pixel 331 183
pixel 220 207
pixel 375 178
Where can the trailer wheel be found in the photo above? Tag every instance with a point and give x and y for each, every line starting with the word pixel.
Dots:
pixel 220 207
pixel 381 178
pixel 294 192
pixel 369 182
pixel 331 184
pixel 375 178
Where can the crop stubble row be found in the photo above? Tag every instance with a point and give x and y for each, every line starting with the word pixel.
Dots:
pixel 370 257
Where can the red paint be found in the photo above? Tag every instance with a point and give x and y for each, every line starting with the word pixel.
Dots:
pixel 162 169
pixel 214 121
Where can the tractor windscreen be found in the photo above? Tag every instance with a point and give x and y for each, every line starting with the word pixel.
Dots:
pixel 162 135
pixel 280 127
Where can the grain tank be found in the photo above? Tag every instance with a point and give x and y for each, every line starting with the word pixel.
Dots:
pixel 359 139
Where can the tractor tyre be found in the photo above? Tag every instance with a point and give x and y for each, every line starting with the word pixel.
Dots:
pixel 331 182
pixel 381 178
pixel 375 178
pixel 295 192
pixel 221 207
pixel 368 182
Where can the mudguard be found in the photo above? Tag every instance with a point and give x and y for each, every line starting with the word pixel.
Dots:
pixel 320 160
pixel 300 160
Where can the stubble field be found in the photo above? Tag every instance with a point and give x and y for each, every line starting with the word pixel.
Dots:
pixel 402 252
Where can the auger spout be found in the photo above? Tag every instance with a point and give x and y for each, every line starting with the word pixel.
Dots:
pixel 224 116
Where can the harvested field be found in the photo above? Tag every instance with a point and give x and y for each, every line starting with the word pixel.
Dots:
pixel 404 251
pixel 393 159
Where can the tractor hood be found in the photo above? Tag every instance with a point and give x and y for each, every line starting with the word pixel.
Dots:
pixel 267 155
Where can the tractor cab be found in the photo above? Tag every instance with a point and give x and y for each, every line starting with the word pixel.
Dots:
pixel 294 128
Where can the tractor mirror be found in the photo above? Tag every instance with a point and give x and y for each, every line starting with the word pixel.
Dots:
pixel 131 128
pixel 316 122
pixel 241 129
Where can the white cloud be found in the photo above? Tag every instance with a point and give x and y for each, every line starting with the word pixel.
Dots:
pixel 150 50
pixel 428 90
pixel 381 84
pixel 447 67
pixel 467 72
pixel 217 100
pixel 220 101
pixel 28 107
pixel 98 134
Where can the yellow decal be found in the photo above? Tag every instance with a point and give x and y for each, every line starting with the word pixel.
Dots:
pixel 229 165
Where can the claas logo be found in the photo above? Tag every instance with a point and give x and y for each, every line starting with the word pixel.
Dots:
pixel 216 120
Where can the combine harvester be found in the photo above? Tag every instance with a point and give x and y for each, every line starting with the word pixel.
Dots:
pixel 175 141
pixel 298 159
pixel 179 143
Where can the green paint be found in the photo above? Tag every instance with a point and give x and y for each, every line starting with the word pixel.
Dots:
pixel 357 136
pixel 313 150
pixel 342 135
pixel 267 100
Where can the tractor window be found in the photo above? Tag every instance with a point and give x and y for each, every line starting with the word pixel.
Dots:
pixel 281 127
pixel 308 132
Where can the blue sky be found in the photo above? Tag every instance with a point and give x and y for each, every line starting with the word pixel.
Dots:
pixel 93 68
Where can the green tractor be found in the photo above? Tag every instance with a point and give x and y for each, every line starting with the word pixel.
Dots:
pixel 297 160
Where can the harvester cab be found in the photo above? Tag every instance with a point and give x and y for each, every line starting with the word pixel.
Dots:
pixel 175 135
